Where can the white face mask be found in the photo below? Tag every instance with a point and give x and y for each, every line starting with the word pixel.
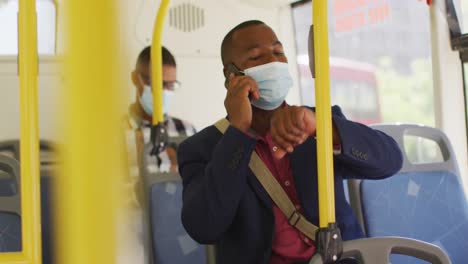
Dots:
pixel 274 82
pixel 146 100
pixel 168 97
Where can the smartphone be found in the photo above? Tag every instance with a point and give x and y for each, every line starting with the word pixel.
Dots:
pixel 231 68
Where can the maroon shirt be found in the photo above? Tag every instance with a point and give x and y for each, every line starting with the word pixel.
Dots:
pixel 289 244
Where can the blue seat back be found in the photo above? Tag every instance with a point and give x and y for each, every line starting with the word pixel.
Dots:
pixel 11 148
pixel 424 201
pixel 168 242
pixel 171 243
pixel 47 219
pixel 10 206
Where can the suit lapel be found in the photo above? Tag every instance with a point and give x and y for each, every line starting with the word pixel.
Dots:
pixel 304 169
pixel 259 190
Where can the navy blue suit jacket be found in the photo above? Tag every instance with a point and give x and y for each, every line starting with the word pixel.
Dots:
pixel 225 204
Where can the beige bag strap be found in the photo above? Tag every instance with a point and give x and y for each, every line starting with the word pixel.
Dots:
pixel 274 189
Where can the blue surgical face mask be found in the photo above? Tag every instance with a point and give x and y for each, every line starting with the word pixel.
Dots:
pixel 274 82
pixel 168 95
pixel 146 100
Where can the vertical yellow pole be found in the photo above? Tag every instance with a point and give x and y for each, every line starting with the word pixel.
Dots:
pixel 156 62
pixel 323 114
pixel 29 145
pixel 92 155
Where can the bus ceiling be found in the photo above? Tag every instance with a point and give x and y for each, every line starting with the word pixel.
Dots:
pixel 266 3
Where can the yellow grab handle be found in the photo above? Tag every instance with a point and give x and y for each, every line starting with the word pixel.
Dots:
pixel 156 62
pixel 323 115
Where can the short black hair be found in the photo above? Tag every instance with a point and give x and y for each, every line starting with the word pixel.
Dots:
pixel 227 41
pixel 145 57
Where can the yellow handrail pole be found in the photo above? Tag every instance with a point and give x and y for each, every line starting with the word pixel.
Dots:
pixel 92 154
pixel 156 62
pixel 29 143
pixel 323 114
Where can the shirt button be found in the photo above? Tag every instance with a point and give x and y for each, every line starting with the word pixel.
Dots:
pixel 306 240
pixel 287 183
pixel 298 207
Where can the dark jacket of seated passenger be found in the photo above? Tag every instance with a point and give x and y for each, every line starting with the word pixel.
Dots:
pixel 225 204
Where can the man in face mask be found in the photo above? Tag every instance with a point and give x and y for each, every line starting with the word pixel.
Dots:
pixel 226 204
pixel 142 110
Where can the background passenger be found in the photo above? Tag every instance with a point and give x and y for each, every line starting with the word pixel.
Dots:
pixel 140 112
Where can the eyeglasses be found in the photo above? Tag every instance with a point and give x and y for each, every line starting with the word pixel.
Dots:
pixel 172 85
pixel 169 85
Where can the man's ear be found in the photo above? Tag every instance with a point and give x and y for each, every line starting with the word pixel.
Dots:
pixel 224 71
pixel 137 82
pixel 226 81
pixel 134 76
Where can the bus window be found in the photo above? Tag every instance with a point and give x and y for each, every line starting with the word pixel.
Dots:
pixel 380 60
pixel 353 88
pixel 465 78
pixel 461 6
pixel 45 27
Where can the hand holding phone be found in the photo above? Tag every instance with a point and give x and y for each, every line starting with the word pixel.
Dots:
pixel 231 68
pixel 240 88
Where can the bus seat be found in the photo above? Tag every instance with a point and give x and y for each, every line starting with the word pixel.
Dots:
pixel 9 188
pixel 10 206
pixel 11 148
pixel 8 184
pixel 47 216
pixel 169 241
pixel 425 200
